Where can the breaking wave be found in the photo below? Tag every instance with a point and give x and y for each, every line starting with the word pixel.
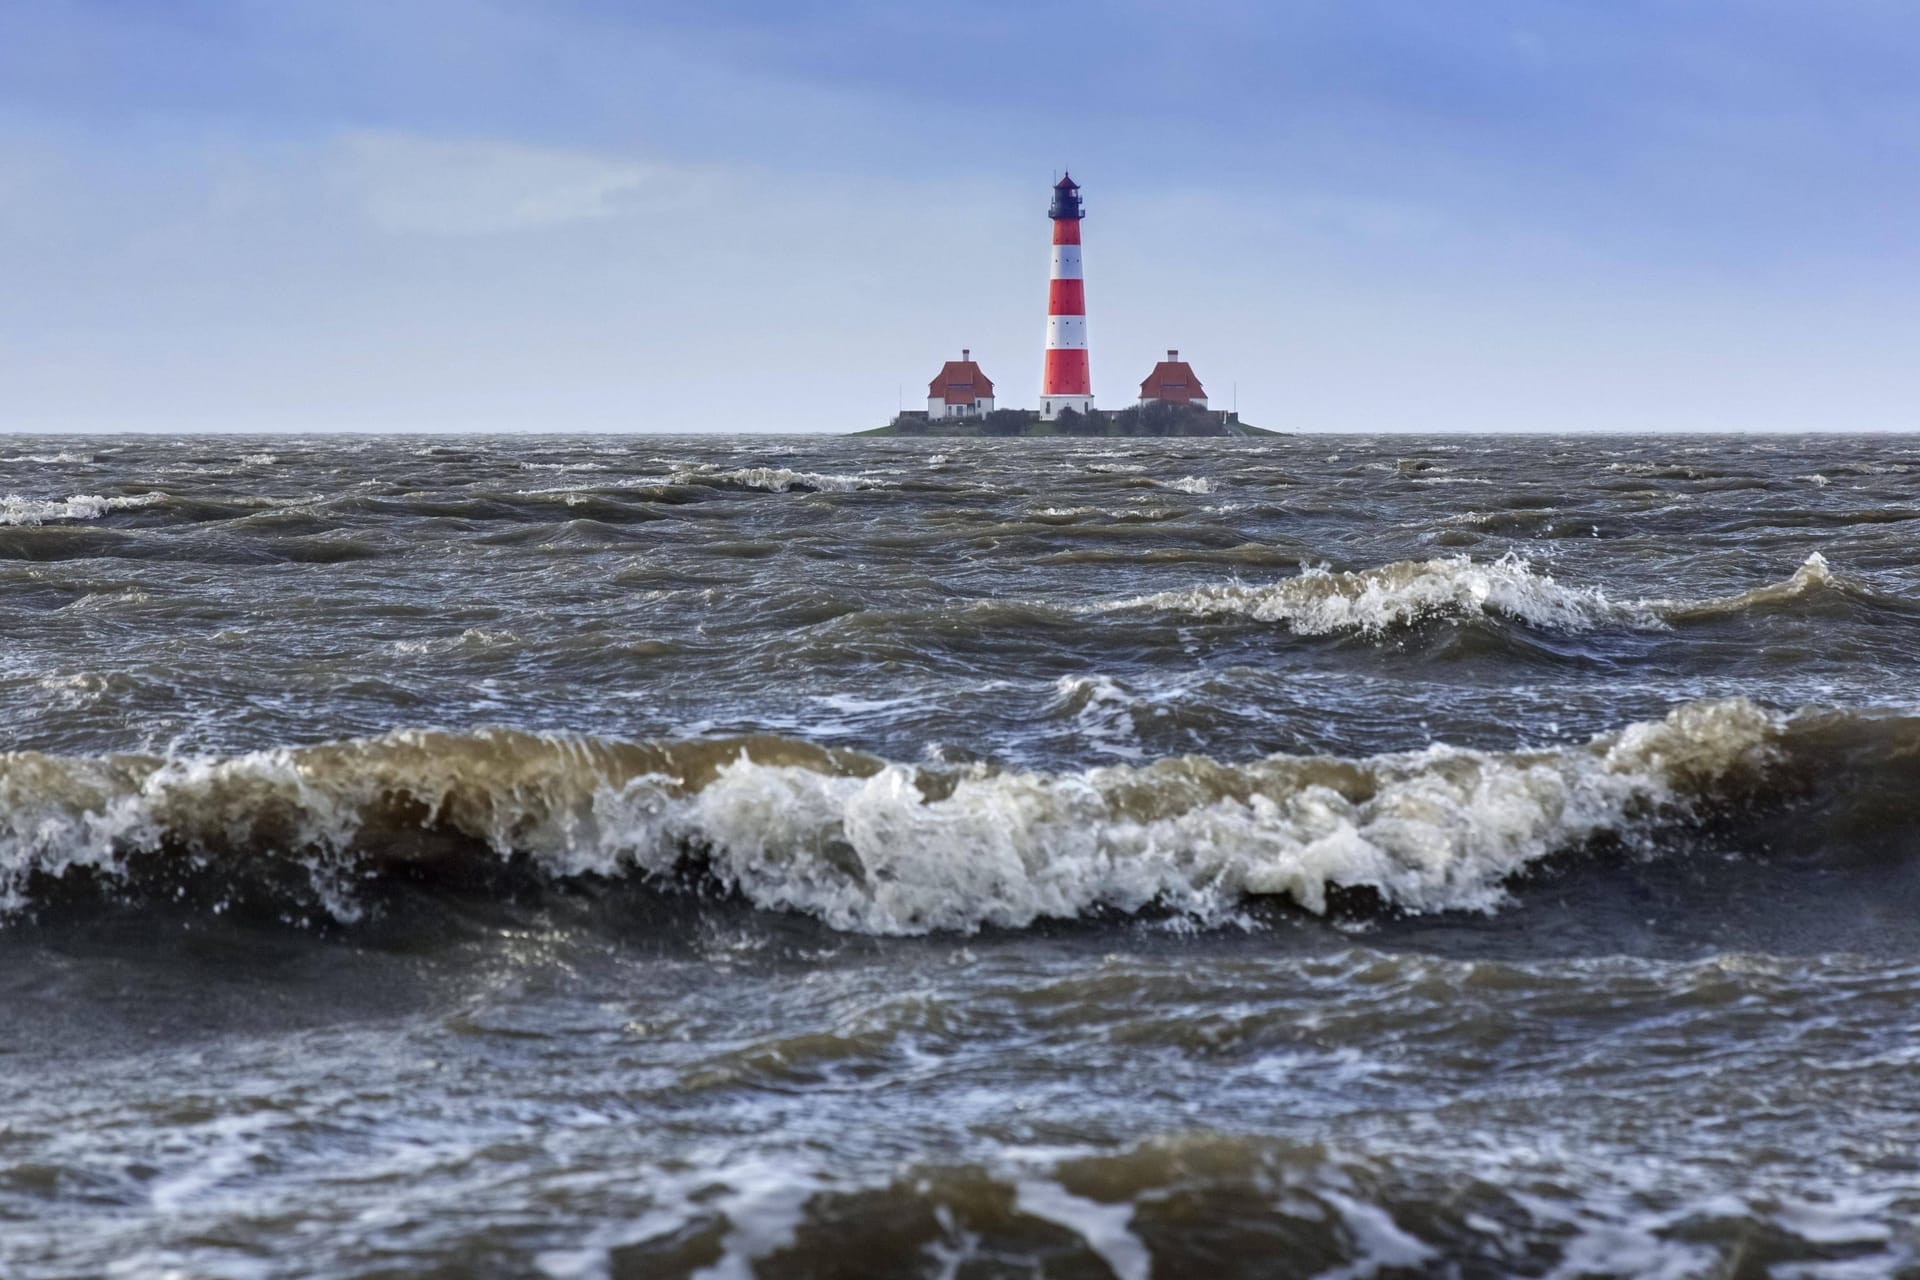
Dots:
pixel 65 456
pixel 772 479
pixel 860 843
pixel 1811 577
pixel 1320 601
pixel 16 510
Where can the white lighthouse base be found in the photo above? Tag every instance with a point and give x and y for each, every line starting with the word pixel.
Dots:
pixel 1050 406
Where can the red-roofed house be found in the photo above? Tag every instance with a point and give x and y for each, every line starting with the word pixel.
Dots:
pixel 1172 382
pixel 959 390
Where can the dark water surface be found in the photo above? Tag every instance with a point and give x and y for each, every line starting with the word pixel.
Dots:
pixel 665 856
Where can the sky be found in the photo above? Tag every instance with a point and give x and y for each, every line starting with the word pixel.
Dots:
pixel 752 215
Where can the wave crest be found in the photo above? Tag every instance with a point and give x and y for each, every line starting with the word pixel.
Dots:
pixel 866 845
pixel 1813 576
pixel 1320 601
pixel 17 510
pixel 772 479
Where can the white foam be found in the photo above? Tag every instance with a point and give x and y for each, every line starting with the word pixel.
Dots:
pixel 16 510
pixel 764 1206
pixel 866 849
pixel 1632 1249
pixel 1842 1218
pixel 1377 1239
pixel 1106 1228
pixel 1440 829
pixel 775 479
pixel 1320 601
pixel 1102 712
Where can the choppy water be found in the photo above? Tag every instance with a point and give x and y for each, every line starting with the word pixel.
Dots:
pixel 660 856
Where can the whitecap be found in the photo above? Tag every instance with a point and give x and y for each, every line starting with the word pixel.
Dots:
pixel 1320 601
pixel 18 510
pixel 875 847
pixel 775 479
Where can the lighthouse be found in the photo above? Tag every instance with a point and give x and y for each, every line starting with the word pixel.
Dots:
pixel 1065 382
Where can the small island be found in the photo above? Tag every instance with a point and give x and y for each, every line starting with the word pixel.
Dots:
pixel 1154 419
pixel 1172 403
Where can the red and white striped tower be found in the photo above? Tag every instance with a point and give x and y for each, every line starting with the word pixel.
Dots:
pixel 1065 383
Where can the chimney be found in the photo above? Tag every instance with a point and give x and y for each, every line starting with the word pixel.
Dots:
pixel 965 354
pixel 1172 354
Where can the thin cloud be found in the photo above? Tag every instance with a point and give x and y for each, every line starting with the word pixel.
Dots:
pixel 411 184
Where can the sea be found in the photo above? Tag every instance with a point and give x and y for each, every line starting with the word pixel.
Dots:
pixel 649 856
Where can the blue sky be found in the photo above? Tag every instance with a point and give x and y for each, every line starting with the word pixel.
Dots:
pixel 589 215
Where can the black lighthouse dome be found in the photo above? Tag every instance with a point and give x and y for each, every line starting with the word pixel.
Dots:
pixel 1066 201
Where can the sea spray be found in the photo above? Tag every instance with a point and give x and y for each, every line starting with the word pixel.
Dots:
pixel 1321 601
pixel 773 479
pixel 18 510
pixel 874 847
